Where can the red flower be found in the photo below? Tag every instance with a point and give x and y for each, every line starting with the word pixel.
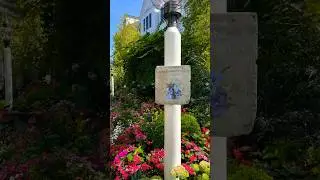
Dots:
pixel 145 167
pixel 189 169
pixel 160 166
pixel 193 158
pixel 205 130
pixel 136 159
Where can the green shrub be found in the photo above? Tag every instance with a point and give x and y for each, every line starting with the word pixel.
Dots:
pixel 201 110
pixel 189 124
pixel 249 173
pixel 154 127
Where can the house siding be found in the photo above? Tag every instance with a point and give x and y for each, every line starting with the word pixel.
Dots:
pixel 156 17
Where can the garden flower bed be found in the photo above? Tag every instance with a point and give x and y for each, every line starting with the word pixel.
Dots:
pixel 138 154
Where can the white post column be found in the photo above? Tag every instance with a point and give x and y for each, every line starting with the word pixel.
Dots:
pixel 218 144
pixel 8 76
pixel 172 113
pixel 112 85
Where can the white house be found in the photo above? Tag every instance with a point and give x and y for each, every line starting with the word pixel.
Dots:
pixel 151 16
pixel 131 19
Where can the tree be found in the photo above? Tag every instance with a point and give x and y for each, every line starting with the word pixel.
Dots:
pixel 123 39
pixel 28 42
pixel 196 44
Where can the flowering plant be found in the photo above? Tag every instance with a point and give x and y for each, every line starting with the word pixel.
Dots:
pixel 179 172
pixel 193 171
pixel 136 155
pixel 132 161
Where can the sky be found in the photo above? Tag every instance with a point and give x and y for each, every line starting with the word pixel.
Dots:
pixel 117 9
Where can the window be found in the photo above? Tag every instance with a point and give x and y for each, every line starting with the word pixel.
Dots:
pixel 162 14
pixel 147 22
pixel 144 25
pixel 150 20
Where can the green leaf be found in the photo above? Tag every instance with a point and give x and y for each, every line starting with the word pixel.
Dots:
pixel 130 157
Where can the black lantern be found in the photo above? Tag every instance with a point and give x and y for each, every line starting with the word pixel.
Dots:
pixel 172 12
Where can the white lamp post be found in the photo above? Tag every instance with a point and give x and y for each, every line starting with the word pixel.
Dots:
pixel 172 88
pixel 172 113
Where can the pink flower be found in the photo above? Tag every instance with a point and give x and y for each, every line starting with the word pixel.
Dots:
pixel 131 169
pixel 136 159
pixel 196 148
pixel 123 154
pixel 160 166
pixel 117 162
pixel 114 115
pixel 145 167
pixel 123 173
pixel 189 146
pixel 202 157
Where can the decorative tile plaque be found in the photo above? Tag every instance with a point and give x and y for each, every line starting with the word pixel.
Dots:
pixel 172 85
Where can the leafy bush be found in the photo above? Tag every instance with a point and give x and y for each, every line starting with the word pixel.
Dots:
pixel 249 173
pixel 201 110
pixel 154 126
pixel 143 56
pixel 189 124
pixel 37 96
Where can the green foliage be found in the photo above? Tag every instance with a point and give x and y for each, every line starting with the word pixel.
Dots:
pixel 3 104
pixel 126 35
pixel 281 152
pixel 154 126
pixel 189 124
pixel 6 152
pixel 37 97
pixel 28 41
pixel 196 45
pixel 313 160
pixel 287 66
pixel 248 173
pixel 201 110
pixel 141 59
pixel 55 166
